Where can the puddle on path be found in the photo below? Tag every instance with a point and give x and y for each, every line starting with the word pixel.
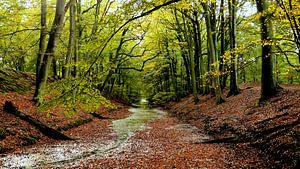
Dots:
pixel 125 127
pixel 63 154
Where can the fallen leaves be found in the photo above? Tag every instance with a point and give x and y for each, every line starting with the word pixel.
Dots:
pixel 270 125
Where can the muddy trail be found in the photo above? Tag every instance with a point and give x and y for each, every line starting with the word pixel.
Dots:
pixel 148 138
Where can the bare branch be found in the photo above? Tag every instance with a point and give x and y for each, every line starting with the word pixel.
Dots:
pixel 143 65
pixel 297 67
pixel 19 31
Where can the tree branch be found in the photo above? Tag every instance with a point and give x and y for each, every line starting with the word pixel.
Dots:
pixel 110 38
pixel 297 67
pixel 19 31
pixel 143 65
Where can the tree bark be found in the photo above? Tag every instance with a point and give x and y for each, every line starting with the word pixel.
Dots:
pixel 212 55
pixel 188 37
pixel 234 90
pixel 43 34
pixel 52 42
pixel 114 60
pixel 96 21
pixel 197 56
pixel 268 88
pixel 222 41
pixel 77 40
pixel 66 67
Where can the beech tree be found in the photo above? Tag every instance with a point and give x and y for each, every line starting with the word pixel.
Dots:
pixel 70 52
pixel 51 46
pixel 212 54
pixel 43 34
pixel 234 90
pixel 268 88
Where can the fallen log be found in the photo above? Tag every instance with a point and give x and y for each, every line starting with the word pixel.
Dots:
pixel 50 132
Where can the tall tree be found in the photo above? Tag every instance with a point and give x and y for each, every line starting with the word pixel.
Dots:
pixel 43 34
pixel 78 34
pixel 188 37
pixel 66 67
pixel 268 88
pixel 234 90
pixel 51 46
pixel 222 45
pixel 212 55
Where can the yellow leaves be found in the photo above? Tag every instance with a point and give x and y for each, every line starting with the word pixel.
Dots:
pixel 70 100
pixel 182 44
pixel 184 5
pixel 265 42
pixel 207 1
pixel 258 15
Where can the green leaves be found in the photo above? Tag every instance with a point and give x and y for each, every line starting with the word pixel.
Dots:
pixel 62 96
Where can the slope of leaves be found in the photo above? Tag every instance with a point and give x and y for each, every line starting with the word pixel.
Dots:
pixel 272 128
pixel 18 133
pixel 11 80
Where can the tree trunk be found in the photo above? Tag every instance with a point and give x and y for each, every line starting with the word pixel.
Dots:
pixel 222 52
pixel 77 40
pixel 188 37
pixel 66 67
pixel 114 60
pixel 54 68
pixel 196 50
pixel 234 90
pixel 268 89
pixel 43 34
pixel 50 132
pixel 52 42
pixel 96 21
pixel 212 55
pixel 201 64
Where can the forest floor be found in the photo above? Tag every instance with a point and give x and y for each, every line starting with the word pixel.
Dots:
pixel 271 130
pixel 236 134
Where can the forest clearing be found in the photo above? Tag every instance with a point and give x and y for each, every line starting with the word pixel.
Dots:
pixel 150 84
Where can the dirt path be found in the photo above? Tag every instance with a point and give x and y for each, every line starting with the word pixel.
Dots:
pixel 137 141
pixel 167 143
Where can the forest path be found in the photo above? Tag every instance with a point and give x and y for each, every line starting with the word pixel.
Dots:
pixel 169 143
pixel 148 138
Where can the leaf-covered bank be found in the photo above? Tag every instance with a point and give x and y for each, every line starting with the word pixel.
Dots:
pixel 16 133
pixel 272 128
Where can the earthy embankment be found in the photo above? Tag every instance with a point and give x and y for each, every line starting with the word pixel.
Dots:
pixel 272 130
pixel 16 133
